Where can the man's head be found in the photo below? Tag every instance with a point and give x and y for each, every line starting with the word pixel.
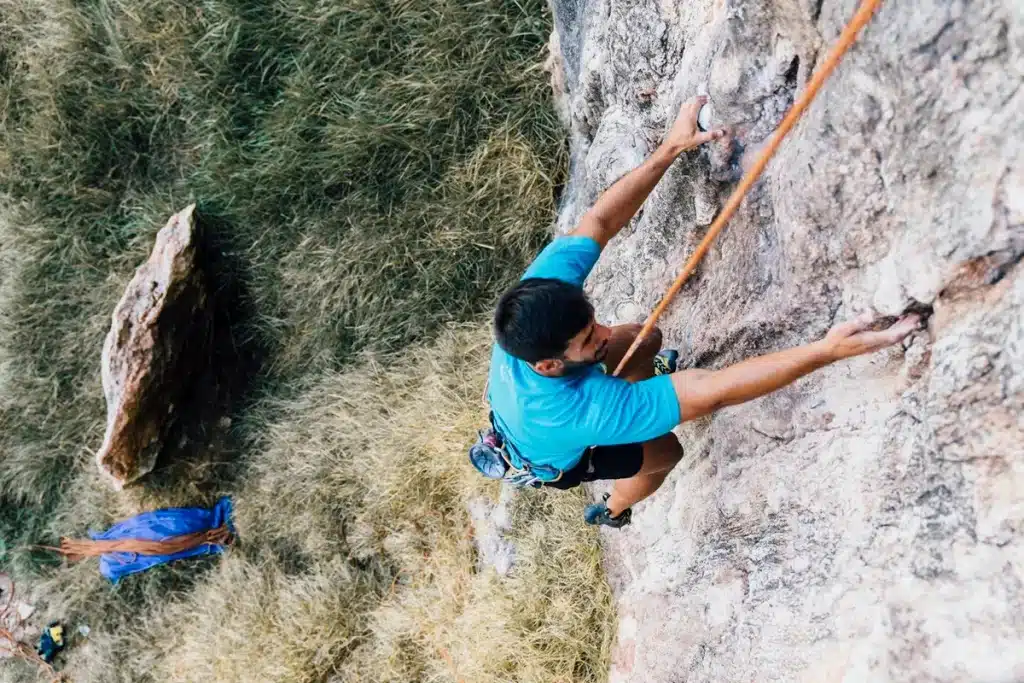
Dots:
pixel 550 324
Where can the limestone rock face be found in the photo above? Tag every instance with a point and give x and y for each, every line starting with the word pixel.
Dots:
pixel 867 523
pixel 156 346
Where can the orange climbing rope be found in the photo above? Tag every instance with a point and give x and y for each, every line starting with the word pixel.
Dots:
pixel 846 39
pixel 79 548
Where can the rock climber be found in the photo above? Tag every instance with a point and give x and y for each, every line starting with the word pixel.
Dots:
pixel 553 400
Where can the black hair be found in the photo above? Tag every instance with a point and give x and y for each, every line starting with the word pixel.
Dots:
pixel 536 319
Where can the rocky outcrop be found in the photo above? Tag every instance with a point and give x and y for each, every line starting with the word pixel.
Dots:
pixel 157 346
pixel 866 524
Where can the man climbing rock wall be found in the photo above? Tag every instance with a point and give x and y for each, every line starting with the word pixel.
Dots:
pixel 867 522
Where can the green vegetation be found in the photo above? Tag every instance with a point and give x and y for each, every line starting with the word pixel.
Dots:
pixel 370 174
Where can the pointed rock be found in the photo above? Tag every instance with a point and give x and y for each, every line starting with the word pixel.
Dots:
pixel 157 344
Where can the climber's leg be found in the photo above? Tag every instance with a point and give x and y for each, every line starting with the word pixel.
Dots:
pixel 660 456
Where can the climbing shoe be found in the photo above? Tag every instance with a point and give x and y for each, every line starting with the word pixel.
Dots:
pixel 665 362
pixel 597 514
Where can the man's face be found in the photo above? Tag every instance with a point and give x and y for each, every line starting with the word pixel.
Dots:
pixel 589 347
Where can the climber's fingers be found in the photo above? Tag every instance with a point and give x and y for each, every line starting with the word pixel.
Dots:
pixel 701 138
pixel 692 107
pixel 684 134
pixel 858 324
pixel 898 331
pixel 854 338
pixel 874 341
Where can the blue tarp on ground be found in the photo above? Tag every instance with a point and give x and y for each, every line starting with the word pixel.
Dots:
pixel 159 525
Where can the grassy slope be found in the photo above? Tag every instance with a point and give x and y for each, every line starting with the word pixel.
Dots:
pixel 368 172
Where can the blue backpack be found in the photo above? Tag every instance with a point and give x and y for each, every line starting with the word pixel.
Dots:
pixel 489 455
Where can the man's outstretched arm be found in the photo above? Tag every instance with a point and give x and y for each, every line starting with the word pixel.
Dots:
pixel 701 392
pixel 623 199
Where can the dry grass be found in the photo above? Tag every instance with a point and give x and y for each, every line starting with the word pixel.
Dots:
pixel 369 174
pixel 358 562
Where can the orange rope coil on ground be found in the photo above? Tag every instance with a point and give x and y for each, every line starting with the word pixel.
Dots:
pixel 846 40
pixel 79 548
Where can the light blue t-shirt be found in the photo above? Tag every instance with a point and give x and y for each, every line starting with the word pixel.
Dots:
pixel 553 420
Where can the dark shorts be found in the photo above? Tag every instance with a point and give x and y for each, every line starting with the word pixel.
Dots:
pixel 603 462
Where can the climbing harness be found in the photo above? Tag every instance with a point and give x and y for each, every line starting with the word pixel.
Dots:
pixel 490 457
pixel 846 40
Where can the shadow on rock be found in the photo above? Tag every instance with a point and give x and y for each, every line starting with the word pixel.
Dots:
pixel 199 453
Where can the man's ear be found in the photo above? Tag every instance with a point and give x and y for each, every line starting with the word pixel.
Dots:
pixel 549 367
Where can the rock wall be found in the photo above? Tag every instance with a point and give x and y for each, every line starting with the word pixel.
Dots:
pixel 866 524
